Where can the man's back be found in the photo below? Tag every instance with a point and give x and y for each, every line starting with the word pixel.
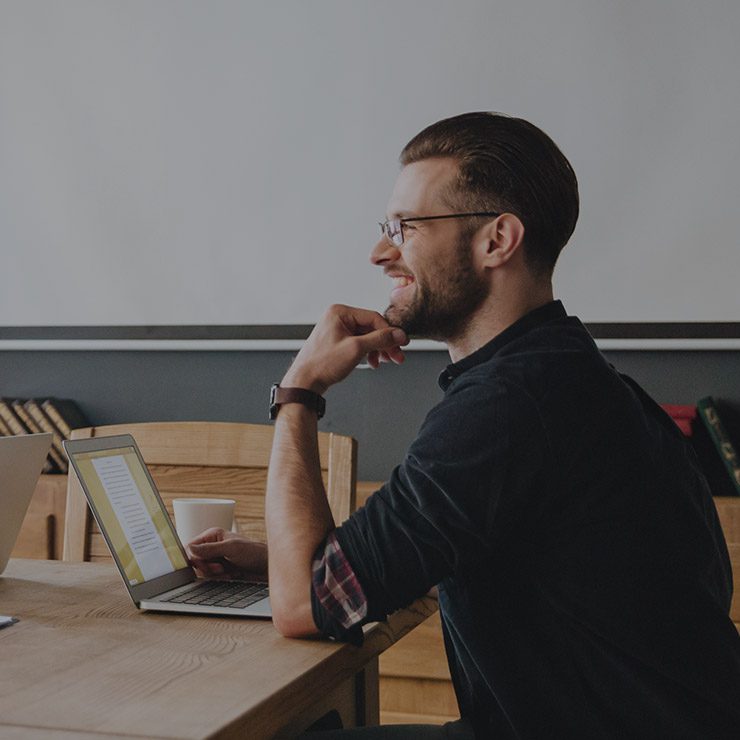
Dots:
pixel 586 582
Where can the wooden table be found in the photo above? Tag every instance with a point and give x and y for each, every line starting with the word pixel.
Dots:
pixel 83 662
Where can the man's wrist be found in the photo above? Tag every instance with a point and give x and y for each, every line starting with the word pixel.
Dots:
pixel 280 396
pixel 300 378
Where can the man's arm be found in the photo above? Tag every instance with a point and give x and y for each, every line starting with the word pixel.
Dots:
pixel 297 512
pixel 297 516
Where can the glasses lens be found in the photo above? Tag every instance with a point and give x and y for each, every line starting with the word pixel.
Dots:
pixel 395 231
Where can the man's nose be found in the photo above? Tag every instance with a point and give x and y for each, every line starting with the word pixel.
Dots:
pixel 384 251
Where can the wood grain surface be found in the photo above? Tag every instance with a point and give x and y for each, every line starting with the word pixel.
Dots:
pixel 728 509
pixel 84 660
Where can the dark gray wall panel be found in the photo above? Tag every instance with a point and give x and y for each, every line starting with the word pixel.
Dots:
pixel 382 409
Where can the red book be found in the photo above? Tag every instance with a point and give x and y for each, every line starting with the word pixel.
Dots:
pixel 685 426
pixel 683 415
pixel 678 411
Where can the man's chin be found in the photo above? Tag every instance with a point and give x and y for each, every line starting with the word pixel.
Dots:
pixel 420 326
pixel 396 317
pixel 404 320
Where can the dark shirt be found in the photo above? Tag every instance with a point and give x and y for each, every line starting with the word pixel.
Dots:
pixel 584 582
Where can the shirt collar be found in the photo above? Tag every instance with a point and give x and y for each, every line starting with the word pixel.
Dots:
pixel 539 316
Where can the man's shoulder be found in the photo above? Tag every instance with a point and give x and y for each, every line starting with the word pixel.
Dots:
pixel 557 348
pixel 561 336
pixel 495 392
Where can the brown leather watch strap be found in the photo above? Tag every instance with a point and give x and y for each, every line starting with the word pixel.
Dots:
pixel 280 396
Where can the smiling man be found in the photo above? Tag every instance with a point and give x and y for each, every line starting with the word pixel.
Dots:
pixel 584 583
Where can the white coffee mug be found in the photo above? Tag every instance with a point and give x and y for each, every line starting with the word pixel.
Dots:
pixel 194 515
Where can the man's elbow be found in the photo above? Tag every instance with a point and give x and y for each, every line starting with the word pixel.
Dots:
pixel 294 621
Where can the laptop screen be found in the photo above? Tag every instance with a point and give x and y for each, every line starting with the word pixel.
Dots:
pixel 137 526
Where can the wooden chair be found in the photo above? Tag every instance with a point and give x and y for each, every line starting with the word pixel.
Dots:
pixel 197 459
pixel 42 531
pixel 728 509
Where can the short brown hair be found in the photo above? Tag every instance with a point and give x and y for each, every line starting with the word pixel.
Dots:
pixel 507 165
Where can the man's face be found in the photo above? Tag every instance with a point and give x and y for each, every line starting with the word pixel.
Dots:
pixel 437 287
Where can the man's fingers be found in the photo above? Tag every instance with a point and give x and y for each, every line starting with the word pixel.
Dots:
pixel 383 345
pixel 214 534
pixel 382 340
pixel 211 550
pixel 341 339
pixel 395 354
pixel 206 568
pixel 360 320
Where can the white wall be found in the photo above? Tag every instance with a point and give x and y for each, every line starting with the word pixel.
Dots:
pixel 218 162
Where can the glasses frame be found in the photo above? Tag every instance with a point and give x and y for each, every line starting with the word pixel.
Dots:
pixel 392 229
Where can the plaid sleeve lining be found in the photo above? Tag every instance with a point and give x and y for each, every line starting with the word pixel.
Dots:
pixel 336 586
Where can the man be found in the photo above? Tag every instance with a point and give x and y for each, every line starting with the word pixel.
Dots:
pixel 584 583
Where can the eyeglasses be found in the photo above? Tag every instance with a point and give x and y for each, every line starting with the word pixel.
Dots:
pixel 393 228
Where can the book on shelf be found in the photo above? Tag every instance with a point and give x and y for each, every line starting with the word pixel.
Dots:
pixel 682 415
pixel 679 410
pixel 56 416
pixel 65 415
pixel 44 423
pixel 16 424
pixel 55 463
pixel 724 449
pixel 690 420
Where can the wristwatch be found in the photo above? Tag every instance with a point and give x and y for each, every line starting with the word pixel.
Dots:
pixel 279 396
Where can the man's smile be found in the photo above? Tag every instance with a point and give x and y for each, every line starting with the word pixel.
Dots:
pixel 401 283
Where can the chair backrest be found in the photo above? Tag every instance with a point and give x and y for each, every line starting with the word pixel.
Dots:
pixel 198 459
pixel 728 509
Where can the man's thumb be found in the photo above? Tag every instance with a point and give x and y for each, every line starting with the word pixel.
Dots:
pixel 399 337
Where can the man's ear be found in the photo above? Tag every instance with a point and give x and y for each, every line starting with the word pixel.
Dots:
pixel 499 240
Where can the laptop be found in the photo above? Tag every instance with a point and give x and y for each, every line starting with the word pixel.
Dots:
pixel 21 462
pixel 142 539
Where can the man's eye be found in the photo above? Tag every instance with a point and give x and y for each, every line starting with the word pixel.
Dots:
pixel 409 226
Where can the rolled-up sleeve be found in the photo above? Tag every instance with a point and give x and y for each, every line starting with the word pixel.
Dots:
pixel 435 515
pixel 337 600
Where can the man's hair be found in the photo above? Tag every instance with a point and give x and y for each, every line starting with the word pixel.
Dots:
pixel 507 165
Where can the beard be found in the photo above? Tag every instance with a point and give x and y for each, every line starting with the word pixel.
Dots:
pixel 441 307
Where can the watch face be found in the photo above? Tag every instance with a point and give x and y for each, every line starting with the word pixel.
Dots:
pixel 273 406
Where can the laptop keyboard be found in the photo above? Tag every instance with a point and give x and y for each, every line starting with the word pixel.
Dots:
pixel 236 594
